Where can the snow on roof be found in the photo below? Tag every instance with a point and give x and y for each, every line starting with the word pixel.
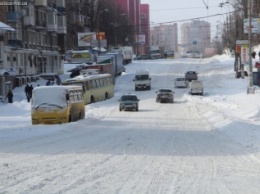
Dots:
pixel 87 77
pixel 4 26
pixel 55 95
pixel 141 72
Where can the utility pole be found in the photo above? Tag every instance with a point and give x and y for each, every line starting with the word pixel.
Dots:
pixel 98 28
pixel 251 88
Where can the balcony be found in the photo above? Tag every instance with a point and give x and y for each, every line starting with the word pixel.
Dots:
pixel 52 25
pixel 40 25
pixel 29 21
pixel 40 3
pixel 15 43
pixel 62 26
pixel 13 17
pixel 60 3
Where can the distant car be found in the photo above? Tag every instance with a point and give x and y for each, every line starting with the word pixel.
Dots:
pixel 165 95
pixel 196 87
pixel 191 75
pixel 128 102
pixel 142 57
pixel 181 82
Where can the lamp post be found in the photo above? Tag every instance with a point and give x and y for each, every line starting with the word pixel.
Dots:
pixel 98 27
pixel 251 89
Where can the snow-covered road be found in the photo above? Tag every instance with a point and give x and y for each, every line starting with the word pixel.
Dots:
pixel 199 144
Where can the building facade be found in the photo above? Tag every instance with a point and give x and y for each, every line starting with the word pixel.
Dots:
pixel 196 36
pixel 38 43
pixel 165 36
pixel 139 17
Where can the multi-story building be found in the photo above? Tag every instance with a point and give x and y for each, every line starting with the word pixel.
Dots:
pixel 196 36
pixel 165 36
pixel 145 27
pixel 139 18
pixel 38 43
pixel 185 36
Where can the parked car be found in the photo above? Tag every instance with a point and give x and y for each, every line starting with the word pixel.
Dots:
pixel 191 75
pixel 128 102
pixel 165 95
pixel 142 57
pixel 181 82
pixel 196 87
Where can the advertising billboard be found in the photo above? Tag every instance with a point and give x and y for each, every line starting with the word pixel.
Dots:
pixel 84 39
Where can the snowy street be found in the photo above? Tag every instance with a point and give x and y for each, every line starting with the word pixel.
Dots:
pixel 198 144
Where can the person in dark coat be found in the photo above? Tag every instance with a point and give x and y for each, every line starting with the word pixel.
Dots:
pixel 58 80
pixel 10 96
pixel 30 93
pixel 48 83
pixel 27 90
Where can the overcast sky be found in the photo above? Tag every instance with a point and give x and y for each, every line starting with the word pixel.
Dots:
pixel 163 11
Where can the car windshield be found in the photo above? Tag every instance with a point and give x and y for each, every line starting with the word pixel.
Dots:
pixel 141 77
pixel 129 98
pixel 180 79
pixel 165 90
pixel 191 72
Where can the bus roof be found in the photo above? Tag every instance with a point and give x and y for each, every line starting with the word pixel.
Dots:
pixel 57 88
pixel 87 77
pixel 55 95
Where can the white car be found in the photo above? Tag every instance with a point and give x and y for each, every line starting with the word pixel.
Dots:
pixel 181 82
pixel 196 87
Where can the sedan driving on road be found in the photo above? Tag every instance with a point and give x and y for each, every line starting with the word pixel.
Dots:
pixel 181 82
pixel 165 95
pixel 128 102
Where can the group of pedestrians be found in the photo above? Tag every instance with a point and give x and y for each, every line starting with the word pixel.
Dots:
pixel 28 92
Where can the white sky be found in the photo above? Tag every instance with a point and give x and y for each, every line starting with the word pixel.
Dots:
pixel 198 144
pixel 175 10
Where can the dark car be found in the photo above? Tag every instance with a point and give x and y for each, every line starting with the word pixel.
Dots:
pixel 165 95
pixel 128 102
pixel 191 75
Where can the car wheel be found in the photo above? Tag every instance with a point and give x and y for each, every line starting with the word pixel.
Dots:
pixel 136 88
pixel 120 109
pixel 136 108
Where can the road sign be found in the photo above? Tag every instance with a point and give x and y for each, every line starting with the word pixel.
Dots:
pixel 244 54
pixel 255 22
pixel 242 42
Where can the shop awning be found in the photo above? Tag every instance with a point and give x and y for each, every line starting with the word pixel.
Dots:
pixel 4 26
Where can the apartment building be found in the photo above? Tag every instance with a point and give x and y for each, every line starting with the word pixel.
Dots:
pixel 38 43
pixel 195 36
pixel 165 36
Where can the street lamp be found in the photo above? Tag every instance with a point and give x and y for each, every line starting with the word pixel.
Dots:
pixel 98 25
pixel 251 88
pixel 116 25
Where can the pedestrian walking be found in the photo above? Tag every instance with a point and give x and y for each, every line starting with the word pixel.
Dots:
pixel 30 93
pixel 9 96
pixel 27 90
pixel 58 80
